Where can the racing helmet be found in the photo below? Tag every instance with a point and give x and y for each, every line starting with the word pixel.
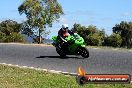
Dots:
pixel 64 26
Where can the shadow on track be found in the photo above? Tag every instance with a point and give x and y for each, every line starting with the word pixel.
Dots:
pixel 67 57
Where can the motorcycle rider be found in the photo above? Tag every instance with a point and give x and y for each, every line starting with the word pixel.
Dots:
pixel 63 33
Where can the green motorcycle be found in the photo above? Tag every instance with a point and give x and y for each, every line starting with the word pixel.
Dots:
pixel 74 45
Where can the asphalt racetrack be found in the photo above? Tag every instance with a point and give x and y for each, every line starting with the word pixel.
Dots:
pixel 101 61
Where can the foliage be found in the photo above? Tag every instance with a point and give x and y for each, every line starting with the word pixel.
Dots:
pixel 10 31
pixel 114 40
pixel 124 29
pixel 15 37
pixel 9 26
pixel 121 37
pixel 26 29
pixel 95 39
pixel 40 13
pixel 91 34
pixel 2 37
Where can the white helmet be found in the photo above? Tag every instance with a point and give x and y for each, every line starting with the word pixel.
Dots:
pixel 65 26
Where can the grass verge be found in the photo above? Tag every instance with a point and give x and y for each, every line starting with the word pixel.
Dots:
pixel 14 77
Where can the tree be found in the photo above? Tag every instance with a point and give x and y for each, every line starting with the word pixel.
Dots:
pixel 26 29
pixel 40 13
pixel 95 39
pixel 91 34
pixel 9 26
pixel 10 31
pixel 2 37
pixel 124 29
pixel 114 40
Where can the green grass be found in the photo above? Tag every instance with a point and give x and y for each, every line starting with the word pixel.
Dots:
pixel 14 77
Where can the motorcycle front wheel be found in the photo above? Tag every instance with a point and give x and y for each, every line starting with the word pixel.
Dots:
pixel 60 52
pixel 84 52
